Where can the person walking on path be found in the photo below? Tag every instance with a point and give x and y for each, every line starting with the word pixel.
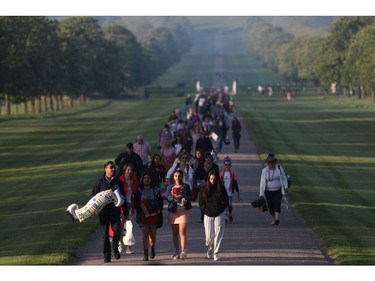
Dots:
pixel 204 143
pixel 167 153
pixel 213 201
pixel 157 170
pixel 149 205
pixel 131 185
pixel 202 171
pixel 224 126
pixel 229 179
pixel 129 157
pixel 143 149
pixel 110 215
pixel 236 133
pixel 178 198
pixel 273 185
pixel 182 163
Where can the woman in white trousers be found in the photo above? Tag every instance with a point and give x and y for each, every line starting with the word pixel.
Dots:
pixel 213 201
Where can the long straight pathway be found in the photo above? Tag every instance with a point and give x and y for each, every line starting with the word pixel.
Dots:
pixel 249 240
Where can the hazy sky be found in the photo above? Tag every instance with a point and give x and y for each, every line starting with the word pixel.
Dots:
pixel 186 8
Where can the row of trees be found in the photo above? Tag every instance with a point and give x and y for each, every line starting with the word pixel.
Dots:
pixel 75 57
pixel 345 57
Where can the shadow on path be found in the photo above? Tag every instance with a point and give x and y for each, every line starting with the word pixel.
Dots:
pixel 249 240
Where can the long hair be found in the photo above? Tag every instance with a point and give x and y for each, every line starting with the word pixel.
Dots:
pixel 142 184
pixel 209 188
pixel 153 159
pixel 126 165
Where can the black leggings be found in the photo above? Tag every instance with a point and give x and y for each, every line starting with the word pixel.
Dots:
pixel 274 201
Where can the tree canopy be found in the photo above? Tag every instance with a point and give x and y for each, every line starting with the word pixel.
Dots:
pixel 76 56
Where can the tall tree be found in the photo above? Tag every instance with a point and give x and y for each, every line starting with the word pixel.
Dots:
pixel 29 57
pixel 332 56
pixel 129 56
pixel 360 62
pixel 82 44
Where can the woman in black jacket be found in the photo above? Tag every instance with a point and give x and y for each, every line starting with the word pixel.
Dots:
pixel 213 201
pixel 202 171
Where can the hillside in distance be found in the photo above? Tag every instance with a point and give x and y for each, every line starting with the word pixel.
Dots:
pixel 296 25
pixel 302 25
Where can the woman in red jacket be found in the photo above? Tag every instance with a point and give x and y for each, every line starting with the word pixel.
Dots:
pixel 131 185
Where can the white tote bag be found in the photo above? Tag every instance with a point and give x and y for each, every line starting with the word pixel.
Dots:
pixel 128 239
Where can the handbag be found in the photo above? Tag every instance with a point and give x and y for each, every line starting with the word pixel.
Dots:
pixel 261 204
pixel 128 239
pixel 263 208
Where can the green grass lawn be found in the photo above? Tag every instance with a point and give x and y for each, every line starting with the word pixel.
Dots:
pixel 327 145
pixel 48 163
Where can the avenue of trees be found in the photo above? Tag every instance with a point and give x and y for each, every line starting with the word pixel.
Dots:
pixel 345 57
pixel 44 60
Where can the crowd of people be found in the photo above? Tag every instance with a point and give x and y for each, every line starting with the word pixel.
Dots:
pixel 184 169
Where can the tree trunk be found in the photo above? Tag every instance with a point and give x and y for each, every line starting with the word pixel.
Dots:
pixel 82 99
pixel 71 102
pixel 25 108
pixel 362 93
pixel 38 104
pixel 57 103
pixel 61 101
pixel 32 106
pixel 51 103
pixel 45 103
pixel 7 105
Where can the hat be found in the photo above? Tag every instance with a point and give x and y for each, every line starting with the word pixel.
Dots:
pixel 129 145
pixel 271 157
pixel 227 159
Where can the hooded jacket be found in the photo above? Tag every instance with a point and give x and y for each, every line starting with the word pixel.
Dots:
pixel 215 203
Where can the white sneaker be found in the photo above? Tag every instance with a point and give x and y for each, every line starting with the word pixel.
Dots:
pixel 183 255
pixel 176 256
pixel 209 253
pixel 216 257
pixel 129 252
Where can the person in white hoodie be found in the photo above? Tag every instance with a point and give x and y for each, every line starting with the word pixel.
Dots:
pixel 273 185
